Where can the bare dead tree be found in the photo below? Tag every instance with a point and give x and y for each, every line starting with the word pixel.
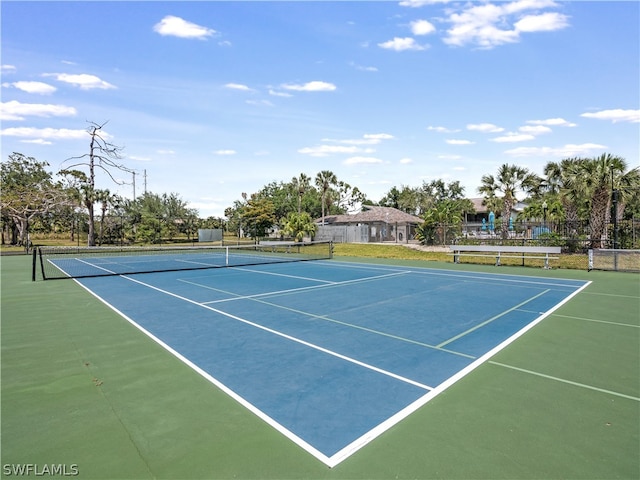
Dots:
pixel 103 155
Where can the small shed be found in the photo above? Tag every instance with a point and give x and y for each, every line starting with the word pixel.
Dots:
pixel 371 224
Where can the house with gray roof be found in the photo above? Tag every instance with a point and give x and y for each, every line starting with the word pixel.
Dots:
pixel 371 224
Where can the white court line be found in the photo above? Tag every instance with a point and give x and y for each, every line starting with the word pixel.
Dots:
pixel 569 382
pixel 370 330
pixel 284 335
pixel 480 325
pixel 95 266
pixel 287 291
pixel 613 295
pixel 256 298
pixel 361 442
pixel 506 277
pixel 376 431
pixel 298 277
pixel 246 404
pixel 597 321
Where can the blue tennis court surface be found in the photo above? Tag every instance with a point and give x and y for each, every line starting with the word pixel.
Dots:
pixel 332 354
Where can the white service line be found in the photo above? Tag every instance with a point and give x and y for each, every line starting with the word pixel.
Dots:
pixel 284 335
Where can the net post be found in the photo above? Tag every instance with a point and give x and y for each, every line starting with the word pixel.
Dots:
pixel 41 264
pixel 226 256
pixel 34 257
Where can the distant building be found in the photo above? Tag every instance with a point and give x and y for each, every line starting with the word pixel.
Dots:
pixel 371 224
pixel 482 212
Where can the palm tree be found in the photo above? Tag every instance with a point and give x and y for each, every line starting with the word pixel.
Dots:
pixel 562 181
pixel 628 186
pixel 597 178
pixel 105 198
pixel 301 184
pixel 298 225
pixel 324 180
pixel 510 180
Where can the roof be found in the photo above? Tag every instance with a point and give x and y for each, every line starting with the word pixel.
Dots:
pixel 477 205
pixel 480 208
pixel 372 213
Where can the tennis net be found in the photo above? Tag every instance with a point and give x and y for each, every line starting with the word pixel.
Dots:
pixel 79 262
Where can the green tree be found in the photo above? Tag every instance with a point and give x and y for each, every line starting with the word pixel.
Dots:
pixel 596 179
pixel 28 192
pixel 391 199
pixel 300 185
pixel 324 181
pixel 258 216
pixel 564 182
pixel 234 215
pixel 511 180
pixel 441 222
pixel 153 217
pixel 299 225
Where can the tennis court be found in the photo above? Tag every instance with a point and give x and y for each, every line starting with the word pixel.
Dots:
pixel 331 355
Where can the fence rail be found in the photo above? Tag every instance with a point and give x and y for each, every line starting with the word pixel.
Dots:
pixel 571 236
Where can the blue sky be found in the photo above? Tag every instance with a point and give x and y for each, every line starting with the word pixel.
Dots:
pixel 213 99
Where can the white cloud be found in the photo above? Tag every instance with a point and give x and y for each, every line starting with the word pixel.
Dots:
pixel 485 128
pixel 361 160
pixel 165 152
pixel 542 23
pixel 420 3
pixel 459 142
pixel 178 27
pixel 406 161
pixel 401 44
pixel 615 115
pixel 260 103
pixel 367 139
pixel 314 86
pixel 275 93
pixel 15 110
pixel 8 68
pixel 442 129
pixel 378 136
pixel 238 86
pixel 37 141
pixel 422 27
pixel 560 122
pixel 32 87
pixel 535 130
pixel 569 150
pixel 325 150
pixel 84 81
pixel 225 152
pixel 488 25
pixel 513 138
pixel 52 133
pixel 363 68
